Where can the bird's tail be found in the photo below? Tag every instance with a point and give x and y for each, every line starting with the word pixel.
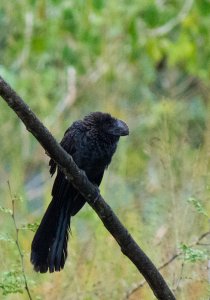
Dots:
pixel 49 246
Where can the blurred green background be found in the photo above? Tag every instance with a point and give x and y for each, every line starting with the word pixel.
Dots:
pixel 148 63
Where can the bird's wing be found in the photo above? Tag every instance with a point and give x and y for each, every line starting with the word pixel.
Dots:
pixel 62 189
pixel 79 201
pixel 68 144
pixel 61 185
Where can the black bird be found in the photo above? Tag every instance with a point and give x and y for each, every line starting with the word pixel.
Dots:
pixel 91 142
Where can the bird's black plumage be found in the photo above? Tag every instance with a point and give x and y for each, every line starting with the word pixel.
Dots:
pixel 91 142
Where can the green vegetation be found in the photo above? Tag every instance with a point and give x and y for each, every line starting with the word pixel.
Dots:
pixel 146 62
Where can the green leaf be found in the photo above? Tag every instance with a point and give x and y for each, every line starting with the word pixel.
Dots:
pixel 12 282
pixel 193 255
pixel 197 205
pixel 6 210
pixel 30 226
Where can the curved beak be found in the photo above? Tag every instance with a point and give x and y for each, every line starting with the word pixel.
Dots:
pixel 120 129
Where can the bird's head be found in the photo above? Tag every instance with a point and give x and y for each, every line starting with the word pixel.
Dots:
pixel 106 124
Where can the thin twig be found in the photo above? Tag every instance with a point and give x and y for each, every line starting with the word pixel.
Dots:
pixel 165 264
pixel 18 244
pixel 180 276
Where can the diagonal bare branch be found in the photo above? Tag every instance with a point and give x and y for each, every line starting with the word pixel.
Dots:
pixel 91 193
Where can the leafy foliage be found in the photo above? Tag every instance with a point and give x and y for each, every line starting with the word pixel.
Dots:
pixel 193 255
pixel 12 282
pixel 30 226
pixel 198 206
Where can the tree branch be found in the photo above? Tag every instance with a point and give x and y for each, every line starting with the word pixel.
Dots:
pixel 90 192
pixel 165 264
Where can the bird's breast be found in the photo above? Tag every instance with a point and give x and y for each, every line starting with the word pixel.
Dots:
pixel 93 156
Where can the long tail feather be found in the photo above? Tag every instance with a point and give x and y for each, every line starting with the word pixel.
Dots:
pixel 49 246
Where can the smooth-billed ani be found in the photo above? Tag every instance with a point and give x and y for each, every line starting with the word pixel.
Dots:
pixel 91 142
